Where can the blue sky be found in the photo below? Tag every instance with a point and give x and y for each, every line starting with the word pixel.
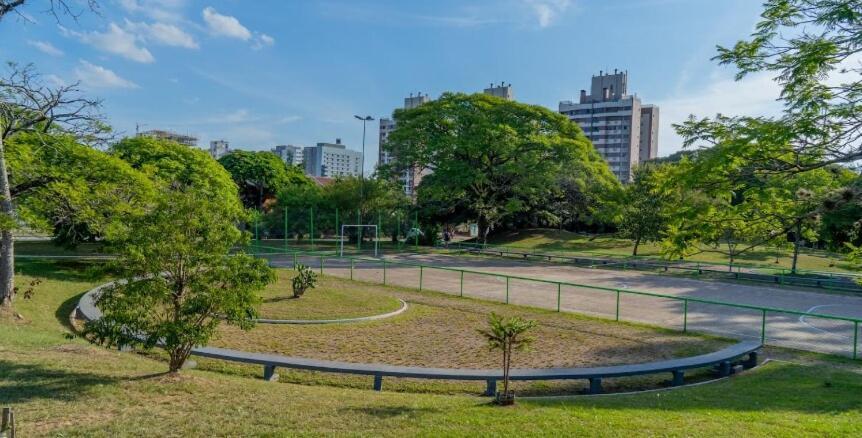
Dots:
pixel 261 73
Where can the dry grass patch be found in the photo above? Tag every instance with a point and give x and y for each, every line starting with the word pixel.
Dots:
pixel 329 300
pixel 441 331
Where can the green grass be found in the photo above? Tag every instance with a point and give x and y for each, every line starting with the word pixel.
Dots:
pixel 573 243
pixel 329 300
pixel 67 387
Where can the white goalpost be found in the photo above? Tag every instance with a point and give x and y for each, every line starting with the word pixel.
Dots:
pixel 343 226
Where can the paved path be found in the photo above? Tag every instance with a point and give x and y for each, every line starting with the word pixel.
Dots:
pixel 808 333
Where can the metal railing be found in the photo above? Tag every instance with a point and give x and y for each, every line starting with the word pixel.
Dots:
pixel 818 279
pixel 772 325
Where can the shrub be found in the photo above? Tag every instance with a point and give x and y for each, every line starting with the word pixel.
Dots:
pixel 305 279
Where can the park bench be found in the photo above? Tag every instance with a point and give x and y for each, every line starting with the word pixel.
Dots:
pixel 723 360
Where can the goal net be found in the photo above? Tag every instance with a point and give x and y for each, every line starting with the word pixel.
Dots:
pixel 359 233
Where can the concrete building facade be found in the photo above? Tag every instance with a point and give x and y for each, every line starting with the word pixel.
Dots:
pixel 411 177
pixel 623 131
pixel 331 160
pixel 219 148
pixel 187 140
pixel 290 154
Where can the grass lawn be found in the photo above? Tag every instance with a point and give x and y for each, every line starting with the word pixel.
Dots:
pixel 329 300
pixel 62 386
pixel 573 243
pixel 440 330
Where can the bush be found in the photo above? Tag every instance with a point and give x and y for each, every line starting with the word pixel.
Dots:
pixel 305 279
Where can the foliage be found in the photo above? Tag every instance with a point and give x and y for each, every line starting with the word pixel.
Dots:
pixel 811 48
pixel 645 210
pixel 507 335
pixel 71 190
pixel 180 276
pixel 28 105
pixel 260 176
pixel 491 159
pixel 305 279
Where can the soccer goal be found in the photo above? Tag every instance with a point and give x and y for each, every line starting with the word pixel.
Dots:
pixel 359 227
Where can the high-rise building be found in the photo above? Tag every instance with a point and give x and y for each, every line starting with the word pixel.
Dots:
pixel 289 153
pixel 219 148
pixel 622 130
pixel 411 177
pixel 331 160
pixel 503 90
pixel 187 140
pixel 649 132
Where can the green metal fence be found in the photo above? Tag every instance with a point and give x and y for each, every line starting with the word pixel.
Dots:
pixel 782 327
pixel 817 279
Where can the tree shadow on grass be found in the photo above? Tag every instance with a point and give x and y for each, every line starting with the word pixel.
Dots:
pixel 21 383
pixel 63 270
pixel 384 412
pixel 64 311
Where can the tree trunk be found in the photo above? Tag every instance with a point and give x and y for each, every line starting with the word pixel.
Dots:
pixel 796 240
pixel 637 243
pixel 7 244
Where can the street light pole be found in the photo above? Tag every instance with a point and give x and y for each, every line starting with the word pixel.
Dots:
pixel 362 173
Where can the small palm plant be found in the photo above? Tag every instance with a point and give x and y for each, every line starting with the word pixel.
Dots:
pixel 507 335
pixel 305 279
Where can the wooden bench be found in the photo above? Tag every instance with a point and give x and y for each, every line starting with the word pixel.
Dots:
pixel 723 361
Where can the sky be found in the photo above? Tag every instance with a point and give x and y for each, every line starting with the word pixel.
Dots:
pixel 267 72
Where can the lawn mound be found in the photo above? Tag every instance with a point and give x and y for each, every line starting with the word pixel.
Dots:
pixel 328 301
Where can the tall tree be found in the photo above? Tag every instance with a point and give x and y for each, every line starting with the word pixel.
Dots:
pixel 491 158
pixel 28 105
pixel 261 176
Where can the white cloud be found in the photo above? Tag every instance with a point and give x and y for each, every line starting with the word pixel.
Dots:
pixel 162 33
pixel 753 96
pixel 46 47
pixel 289 119
pixel 547 11
pixel 117 41
pixel 159 10
pixel 55 81
pixel 225 25
pixel 95 76
pixel 262 40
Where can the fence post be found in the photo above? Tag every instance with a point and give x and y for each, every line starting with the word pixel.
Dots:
pixel 855 338
pixel 559 286
pixel 416 226
pixel 311 226
pixel 285 228
pixel 421 270
pixel 462 284
pixel 7 422
pixel 384 272
pixel 763 328
pixel 685 315
pixel 321 265
pixel 351 268
pixel 507 289
pixel 618 305
pixel 294 261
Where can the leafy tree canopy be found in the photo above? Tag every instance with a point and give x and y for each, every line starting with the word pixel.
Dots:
pixel 260 176
pixel 491 158
pixel 69 189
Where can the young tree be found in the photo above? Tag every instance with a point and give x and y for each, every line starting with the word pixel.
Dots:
pixel 507 335
pixel 182 277
pixel 27 105
pixel 491 158
pixel 645 208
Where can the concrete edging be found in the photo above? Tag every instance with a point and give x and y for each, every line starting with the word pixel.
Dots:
pixel 401 310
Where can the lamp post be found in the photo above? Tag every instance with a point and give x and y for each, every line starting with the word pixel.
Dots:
pixel 362 174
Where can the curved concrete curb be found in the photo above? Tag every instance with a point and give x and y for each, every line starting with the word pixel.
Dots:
pixel 335 321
